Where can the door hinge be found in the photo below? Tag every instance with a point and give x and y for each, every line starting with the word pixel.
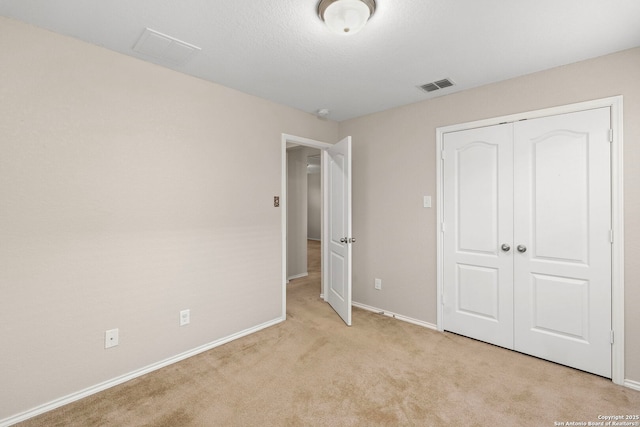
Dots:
pixel 610 135
pixel 612 337
pixel 442 154
pixel 442 227
pixel 611 236
pixel 442 299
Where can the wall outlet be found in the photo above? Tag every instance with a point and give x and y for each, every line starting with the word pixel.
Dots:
pixel 377 284
pixel 185 317
pixel 111 338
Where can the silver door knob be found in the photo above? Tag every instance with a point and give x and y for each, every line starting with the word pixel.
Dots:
pixel 352 240
pixel 505 247
pixel 343 240
pixel 522 248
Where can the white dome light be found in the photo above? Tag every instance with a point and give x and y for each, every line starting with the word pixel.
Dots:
pixel 346 16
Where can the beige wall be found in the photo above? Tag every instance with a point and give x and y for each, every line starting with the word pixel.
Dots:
pixel 125 198
pixel 296 212
pixel 394 166
pixel 298 209
pixel 314 205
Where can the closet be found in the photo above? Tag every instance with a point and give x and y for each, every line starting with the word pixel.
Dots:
pixel 526 255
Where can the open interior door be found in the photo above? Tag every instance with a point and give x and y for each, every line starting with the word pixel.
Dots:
pixel 337 228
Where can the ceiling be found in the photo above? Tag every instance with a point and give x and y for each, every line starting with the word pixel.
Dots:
pixel 281 51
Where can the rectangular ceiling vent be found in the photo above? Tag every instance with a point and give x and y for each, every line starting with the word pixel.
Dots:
pixel 433 86
pixel 164 47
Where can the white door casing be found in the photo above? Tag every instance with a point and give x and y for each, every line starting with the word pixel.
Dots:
pixel 555 277
pixel 337 232
pixel 336 219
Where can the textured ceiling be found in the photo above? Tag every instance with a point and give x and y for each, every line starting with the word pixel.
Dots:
pixel 280 50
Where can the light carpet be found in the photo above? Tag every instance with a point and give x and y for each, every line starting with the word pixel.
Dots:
pixel 312 370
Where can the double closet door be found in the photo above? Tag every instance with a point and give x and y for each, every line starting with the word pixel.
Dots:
pixel 527 237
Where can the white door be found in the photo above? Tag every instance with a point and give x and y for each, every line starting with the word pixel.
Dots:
pixel 337 224
pixel 552 280
pixel 478 212
pixel 562 202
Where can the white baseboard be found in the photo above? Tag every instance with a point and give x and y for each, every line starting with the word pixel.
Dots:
pixel 297 276
pixel 632 384
pixel 395 315
pixel 135 374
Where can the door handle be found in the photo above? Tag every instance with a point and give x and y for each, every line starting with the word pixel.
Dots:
pixel 343 240
pixel 522 249
pixel 352 240
pixel 505 247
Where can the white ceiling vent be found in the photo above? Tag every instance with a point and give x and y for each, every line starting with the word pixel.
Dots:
pixel 440 84
pixel 165 48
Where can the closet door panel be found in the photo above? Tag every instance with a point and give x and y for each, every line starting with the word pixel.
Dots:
pixel 562 208
pixel 559 179
pixel 477 273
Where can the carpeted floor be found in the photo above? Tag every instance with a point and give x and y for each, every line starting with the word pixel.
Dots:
pixel 312 370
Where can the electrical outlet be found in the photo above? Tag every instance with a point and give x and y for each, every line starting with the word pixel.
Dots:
pixel 185 317
pixel 377 284
pixel 111 338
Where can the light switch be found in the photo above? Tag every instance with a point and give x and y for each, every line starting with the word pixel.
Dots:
pixel 427 201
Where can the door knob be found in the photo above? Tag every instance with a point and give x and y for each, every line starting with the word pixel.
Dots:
pixel 343 240
pixel 505 247
pixel 352 240
pixel 522 248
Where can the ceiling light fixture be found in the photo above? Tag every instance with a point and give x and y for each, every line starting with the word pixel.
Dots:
pixel 346 16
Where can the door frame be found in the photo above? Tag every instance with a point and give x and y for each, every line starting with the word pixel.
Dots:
pixel 322 146
pixel 617 211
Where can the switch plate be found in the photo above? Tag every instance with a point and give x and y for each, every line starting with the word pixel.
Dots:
pixel 427 201
pixel 377 283
pixel 185 317
pixel 111 338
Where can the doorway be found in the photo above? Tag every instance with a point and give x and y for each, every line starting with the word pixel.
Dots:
pixel 336 237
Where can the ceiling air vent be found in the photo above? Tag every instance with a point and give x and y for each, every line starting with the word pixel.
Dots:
pixel 164 47
pixel 433 86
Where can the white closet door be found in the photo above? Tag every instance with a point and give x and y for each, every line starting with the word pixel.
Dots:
pixel 562 293
pixel 478 274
